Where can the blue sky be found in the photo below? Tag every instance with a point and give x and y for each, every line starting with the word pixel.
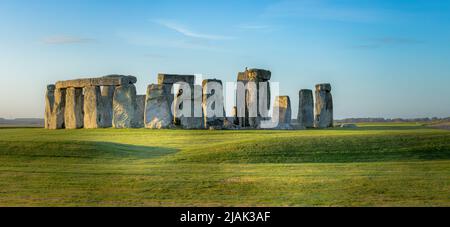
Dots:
pixel 386 58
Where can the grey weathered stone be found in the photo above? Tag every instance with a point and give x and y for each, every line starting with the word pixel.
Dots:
pixel 254 75
pixel 175 78
pixel 258 77
pixel 216 115
pixel 73 114
pixel 349 126
pixel 107 93
pixel 323 87
pixel 110 80
pixel 139 113
pixel 305 115
pixel 92 107
pixel 124 106
pixel 194 119
pixel 58 109
pixel 324 106
pixel 49 103
pixel 234 117
pixel 158 114
pixel 282 112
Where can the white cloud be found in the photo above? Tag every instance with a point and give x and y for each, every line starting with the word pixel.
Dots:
pixel 189 33
pixel 65 39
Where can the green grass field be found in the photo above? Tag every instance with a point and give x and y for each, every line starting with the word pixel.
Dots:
pixel 374 165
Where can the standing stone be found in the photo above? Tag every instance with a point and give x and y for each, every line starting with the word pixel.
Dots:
pixel 107 106
pixel 195 118
pixel 213 105
pixel 258 77
pixel 324 106
pixel 73 114
pixel 282 112
pixel 49 103
pixel 305 115
pixel 92 107
pixel 124 106
pixel 57 118
pixel 158 114
pixel 234 116
pixel 139 113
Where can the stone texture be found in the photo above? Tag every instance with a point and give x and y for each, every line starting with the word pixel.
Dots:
pixel 349 126
pixel 252 97
pixel 124 106
pixel 175 78
pixel 49 103
pixel 73 114
pixel 213 101
pixel 324 106
pixel 194 120
pixel 57 121
pixel 107 95
pixel 157 114
pixel 305 115
pixel 234 117
pixel 282 110
pixel 92 107
pixel 139 113
pixel 110 80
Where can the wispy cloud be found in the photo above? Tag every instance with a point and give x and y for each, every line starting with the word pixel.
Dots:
pixel 190 33
pixel 65 39
pixel 387 41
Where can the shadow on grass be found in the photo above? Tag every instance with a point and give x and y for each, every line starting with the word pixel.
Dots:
pixel 369 128
pixel 81 149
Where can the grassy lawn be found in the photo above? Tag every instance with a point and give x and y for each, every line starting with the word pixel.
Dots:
pixel 373 165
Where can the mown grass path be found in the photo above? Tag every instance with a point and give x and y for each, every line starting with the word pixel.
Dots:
pixel 374 165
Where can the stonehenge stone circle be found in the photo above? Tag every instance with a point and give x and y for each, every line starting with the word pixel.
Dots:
pixel 305 115
pixel 324 106
pixel 282 112
pixel 124 106
pixel 157 114
pixel 250 115
pixel 73 115
pixel 176 102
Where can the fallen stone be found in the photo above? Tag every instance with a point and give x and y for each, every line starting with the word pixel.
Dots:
pixel 73 114
pixel 158 114
pixel 349 126
pixel 124 106
pixel 305 115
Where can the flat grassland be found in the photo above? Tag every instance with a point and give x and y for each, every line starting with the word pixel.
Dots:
pixel 373 165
